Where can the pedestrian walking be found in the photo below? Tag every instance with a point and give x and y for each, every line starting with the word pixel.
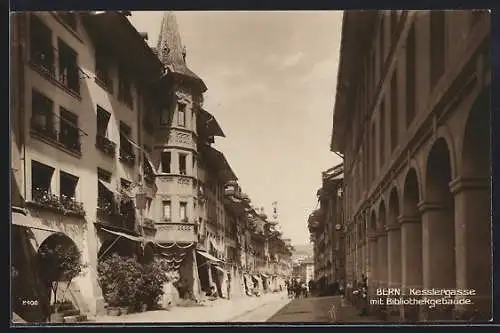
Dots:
pixel 229 286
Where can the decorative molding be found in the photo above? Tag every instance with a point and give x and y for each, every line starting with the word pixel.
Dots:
pixel 426 206
pixel 460 184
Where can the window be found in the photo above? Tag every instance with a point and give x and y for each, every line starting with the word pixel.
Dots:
pixel 182 164
pixel 125 87
pixel 394 110
pixel 104 175
pixel 437 47
pixel 382 134
pixel 165 116
pixel 410 76
pixel 183 211
pixel 126 152
pixel 165 162
pixel 105 145
pixel 41 179
pixel 67 184
pixel 42 52
pixel 103 69
pixel 42 116
pixel 181 111
pixel 167 213
pixel 68 67
pixel 103 117
pixel 69 19
pixel 69 134
pixel 394 24
pixel 382 45
pixel 105 196
pixel 148 210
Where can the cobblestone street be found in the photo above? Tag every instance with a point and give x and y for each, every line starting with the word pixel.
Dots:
pixel 236 310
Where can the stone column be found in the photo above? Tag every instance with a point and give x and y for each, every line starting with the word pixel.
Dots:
pixel 394 261
pixel 473 243
pixel 411 260
pixel 438 263
pixel 372 278
pixel 382 264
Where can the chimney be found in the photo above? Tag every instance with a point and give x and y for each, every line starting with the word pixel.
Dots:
pixel 144 35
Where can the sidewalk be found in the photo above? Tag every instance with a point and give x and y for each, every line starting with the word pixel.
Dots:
pixel 221 310
pixel 319 310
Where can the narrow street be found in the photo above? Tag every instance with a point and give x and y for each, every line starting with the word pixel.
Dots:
pixel 318 310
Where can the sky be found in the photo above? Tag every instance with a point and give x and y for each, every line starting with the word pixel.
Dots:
pixel 271 79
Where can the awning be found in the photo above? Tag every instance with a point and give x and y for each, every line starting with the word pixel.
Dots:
pixel 208 124
pixel 38 232
pixel 208 256
pixel 108 187
pixel 217 161
pixel 23 220
pixel 122 234
pixel 220 269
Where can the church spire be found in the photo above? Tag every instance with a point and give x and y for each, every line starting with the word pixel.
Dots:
pixel 171 51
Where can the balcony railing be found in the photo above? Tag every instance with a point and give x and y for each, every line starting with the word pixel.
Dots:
pixel 71 142
pixel 108 213
pixel 60 204
pixel 175 232
pixel 105 145
pixel 45 131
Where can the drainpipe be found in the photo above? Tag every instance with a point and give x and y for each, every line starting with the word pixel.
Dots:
pixel 21 26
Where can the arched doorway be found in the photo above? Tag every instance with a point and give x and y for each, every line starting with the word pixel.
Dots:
pixel 59 262
pixel 394 241
pixel 382 246
pixel 473 209
pixel 438 225
pixel 411 237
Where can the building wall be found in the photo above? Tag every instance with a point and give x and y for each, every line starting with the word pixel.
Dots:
pixel 49 152
pixel 398 184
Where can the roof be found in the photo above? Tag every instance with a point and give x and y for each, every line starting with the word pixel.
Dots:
pixel 208 125
pixel 114 31
pixel 218 162
pixel 171 52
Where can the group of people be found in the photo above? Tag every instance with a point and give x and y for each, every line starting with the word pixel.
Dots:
pixel 296 288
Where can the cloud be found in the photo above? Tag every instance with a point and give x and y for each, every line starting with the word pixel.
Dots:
pixel 292 60
pixel 286 61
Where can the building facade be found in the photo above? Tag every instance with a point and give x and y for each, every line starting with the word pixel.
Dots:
pixel 412 119
pixel 74 114
pixel 327 230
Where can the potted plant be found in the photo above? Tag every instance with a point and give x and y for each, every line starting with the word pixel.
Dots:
pixel 154 277
pixel 120 279
pixel 59 261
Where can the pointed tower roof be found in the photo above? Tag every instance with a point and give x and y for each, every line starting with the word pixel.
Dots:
pixel 171 51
